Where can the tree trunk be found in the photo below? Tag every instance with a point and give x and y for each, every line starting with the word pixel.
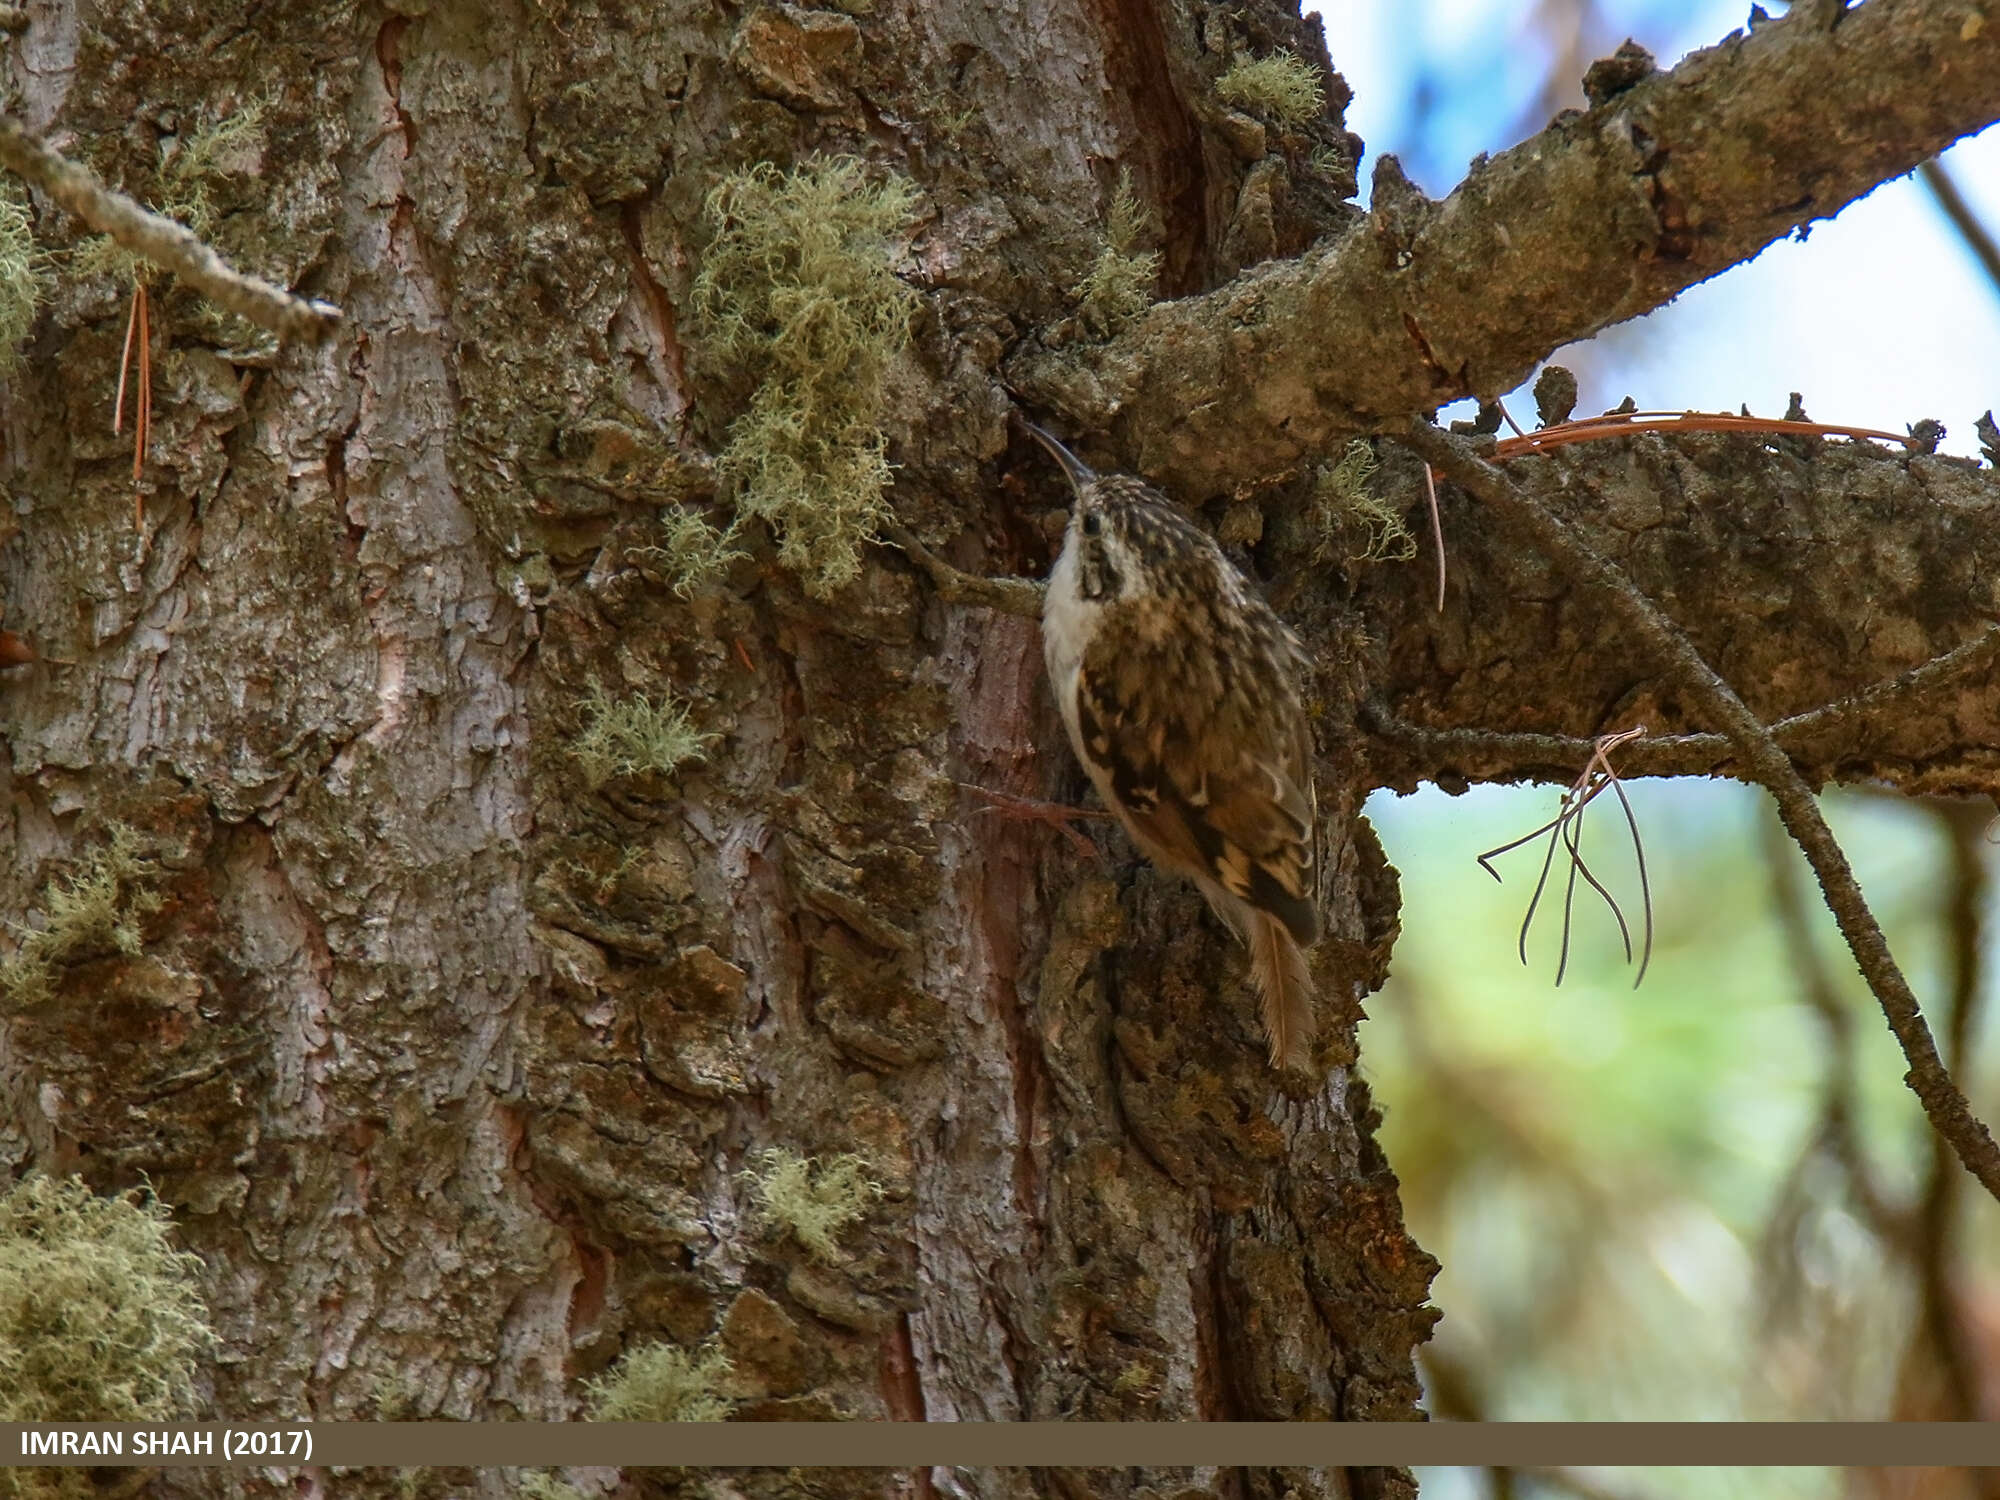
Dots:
pixel 459 1062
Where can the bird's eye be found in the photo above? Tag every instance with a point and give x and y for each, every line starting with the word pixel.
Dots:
pixel 1092 523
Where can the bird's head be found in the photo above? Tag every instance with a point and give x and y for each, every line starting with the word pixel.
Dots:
pixel 1129 539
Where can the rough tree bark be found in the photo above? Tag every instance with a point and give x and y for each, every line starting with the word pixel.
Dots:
pixel 451 1066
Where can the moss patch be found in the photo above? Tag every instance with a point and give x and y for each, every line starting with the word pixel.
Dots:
pixel 543 1484
pixel 796 289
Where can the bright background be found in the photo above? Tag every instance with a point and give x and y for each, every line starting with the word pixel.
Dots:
pixel 1632 1193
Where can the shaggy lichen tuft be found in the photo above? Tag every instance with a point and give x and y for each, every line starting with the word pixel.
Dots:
pixel 100 1319
pixel 1118 287
pixel 663 1383
pixel 796 286
pixel 184 191
pixel 1282 87
pixel 1351 522
pixel 813 1200
pixel 630 735
pixel 97 910
pixel 545 1484
pixel 691 550
pixel 20 274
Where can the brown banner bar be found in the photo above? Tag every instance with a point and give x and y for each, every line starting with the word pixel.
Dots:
pixel 1003 1444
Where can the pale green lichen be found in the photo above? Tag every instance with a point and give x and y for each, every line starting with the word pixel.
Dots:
pixel 1137 1379
pixel 1327 161
pixel 94 911
pixel 231 146
pixel 100 1317
pixel 1282 87
pixel 797 287
pixel 602 884
pixel 184 188
pixel 635 734
pixel 1349 521
pixel 691 551
pixel 395 1396
pixel 20 274
pixel 542 1484
pixel 663 1383
pixel 1118 287
pixel 813 1200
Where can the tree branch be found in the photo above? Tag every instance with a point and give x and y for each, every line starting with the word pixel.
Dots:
pixel 1680 754
pixel 1839 1110
pixel 1603 216
pixel 1845 590
pixel 1763 759
pixel 1010 596
pixel 1978 238
pixel 161 241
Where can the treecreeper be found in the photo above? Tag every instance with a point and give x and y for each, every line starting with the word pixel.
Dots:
pixel 1180 688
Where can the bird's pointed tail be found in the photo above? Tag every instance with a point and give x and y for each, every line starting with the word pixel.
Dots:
pixel 1278 965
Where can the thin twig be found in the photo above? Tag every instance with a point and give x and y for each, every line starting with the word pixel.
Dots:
pixel 1563 813
pixel 1838 1111
pixel 1028 810
pixel 1011 596
pixel 137 332
pixel 1683 754
pixel 1541 880
pixel 1763 759
pixel 1569 833
pixel 161 241
pixel 1978 238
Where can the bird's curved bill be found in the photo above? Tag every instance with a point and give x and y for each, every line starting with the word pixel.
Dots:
pixel 1079 472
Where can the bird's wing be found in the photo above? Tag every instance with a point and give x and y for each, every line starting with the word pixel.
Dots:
pixel 1219 792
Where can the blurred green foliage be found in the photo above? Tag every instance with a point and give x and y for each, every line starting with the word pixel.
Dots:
pixel 1635 1196
pixel 1629 1190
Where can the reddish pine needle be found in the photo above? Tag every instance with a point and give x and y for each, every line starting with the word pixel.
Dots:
pixel 138 331
pixel 1626 423
pixel 142 429
pixel 1437 529
pixel 125 363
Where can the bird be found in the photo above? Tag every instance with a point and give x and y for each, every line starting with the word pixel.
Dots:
pixel 1180 688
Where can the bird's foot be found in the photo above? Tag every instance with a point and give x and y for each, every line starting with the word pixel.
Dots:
pixel 1027 810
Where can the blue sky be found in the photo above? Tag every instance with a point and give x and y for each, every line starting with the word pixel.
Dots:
pixel 1711 1073
pixel 1880 318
